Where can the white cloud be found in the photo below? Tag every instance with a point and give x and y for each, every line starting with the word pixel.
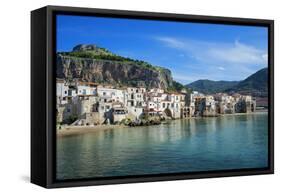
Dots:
pixel 172 42
pixel 237 53
pixel 218 52
pixel 211 58
pixel 265 57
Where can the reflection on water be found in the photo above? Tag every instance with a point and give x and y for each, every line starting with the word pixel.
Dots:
pixel 197 144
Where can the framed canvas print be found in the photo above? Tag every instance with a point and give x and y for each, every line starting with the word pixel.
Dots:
pixel 125 96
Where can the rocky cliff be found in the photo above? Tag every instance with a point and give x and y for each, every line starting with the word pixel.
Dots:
pixel 91 63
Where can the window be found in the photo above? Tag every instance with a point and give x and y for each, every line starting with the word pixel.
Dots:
pixel 104 93
pixel 163 105
pixel 65 92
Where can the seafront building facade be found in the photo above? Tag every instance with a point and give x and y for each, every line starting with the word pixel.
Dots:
pixel 87 103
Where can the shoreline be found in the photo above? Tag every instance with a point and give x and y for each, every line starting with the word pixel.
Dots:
pixel 251 113
pixel 77 130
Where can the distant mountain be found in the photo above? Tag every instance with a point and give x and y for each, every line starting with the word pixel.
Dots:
pixel 255 84
pixel 209 86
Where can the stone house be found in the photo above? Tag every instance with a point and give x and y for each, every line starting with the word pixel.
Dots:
pixel 245 104
pixel 135 101
pixel 209 106
pixel 86 104
pixel 226 103
pixel 196 106
pixel 175 106
pixel 119 112
pixel 135 97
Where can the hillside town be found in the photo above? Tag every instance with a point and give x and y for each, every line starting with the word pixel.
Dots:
pixel 87 103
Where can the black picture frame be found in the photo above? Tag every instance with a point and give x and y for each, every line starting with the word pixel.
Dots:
pixel 43 80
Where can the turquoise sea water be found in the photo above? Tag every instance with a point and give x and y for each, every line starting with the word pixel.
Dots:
pixel 196 144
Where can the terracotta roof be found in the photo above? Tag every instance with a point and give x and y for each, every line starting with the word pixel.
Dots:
pixel 176 93
pixel 58 80
pixel 86 95
pixel 117 103
pixel 88 83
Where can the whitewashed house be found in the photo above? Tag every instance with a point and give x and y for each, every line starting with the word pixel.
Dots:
pixel 135 101
pixel 175 104
pixel 111 94
pixel 61 91
pixel 86 88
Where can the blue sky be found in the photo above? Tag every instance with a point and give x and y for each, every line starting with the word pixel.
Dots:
pixel 191 51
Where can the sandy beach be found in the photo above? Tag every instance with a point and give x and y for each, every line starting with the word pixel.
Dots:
pixel 76 130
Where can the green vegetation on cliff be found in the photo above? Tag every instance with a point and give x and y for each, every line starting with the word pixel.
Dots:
pixel 98 53
pixel 96 64
pixel 176 86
